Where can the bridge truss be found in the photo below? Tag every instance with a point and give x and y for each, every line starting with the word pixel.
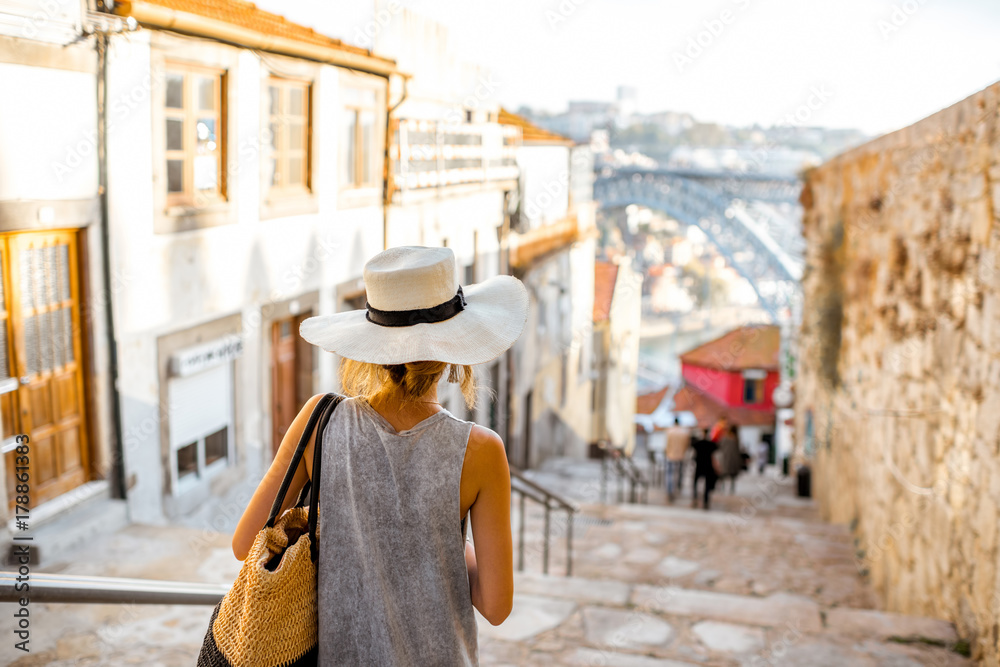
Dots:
pixel 753 220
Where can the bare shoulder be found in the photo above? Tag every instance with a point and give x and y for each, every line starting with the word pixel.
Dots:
pixel 486 453
pixel 313 400
pixel 485 441
pixel 307 409
pixel 299 423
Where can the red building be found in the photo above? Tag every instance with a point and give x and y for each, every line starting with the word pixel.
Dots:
pixel 733 375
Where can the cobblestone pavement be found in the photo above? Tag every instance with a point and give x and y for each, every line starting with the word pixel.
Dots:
pixel 756 580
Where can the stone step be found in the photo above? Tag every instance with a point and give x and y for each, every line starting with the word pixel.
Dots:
pixel 777 610
pixel 887 625
pixel 591 656
pixel 607 622
pixel 765 611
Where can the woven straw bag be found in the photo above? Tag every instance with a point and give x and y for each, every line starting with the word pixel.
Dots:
pixel 269 616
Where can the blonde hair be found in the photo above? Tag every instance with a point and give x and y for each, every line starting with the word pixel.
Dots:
pixel 411 380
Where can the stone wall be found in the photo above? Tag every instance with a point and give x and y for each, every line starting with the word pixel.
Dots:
pixel 898 397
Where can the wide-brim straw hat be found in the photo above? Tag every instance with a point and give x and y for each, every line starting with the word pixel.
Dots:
pixel 416 310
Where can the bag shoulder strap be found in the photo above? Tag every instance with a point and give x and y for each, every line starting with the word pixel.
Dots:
pixel 293 465
pixel 316 467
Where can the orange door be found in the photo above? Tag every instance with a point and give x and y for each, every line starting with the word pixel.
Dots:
pixel 42 318
pixel 283 394
pixel 291 374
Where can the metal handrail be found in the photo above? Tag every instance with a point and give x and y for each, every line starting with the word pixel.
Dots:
pixel 84 589
pixel 624 472
pixel 563 501
pixel 626 469
pixel 546 497
pixel 612 454
pixel 107 590
pixel 519 486
pixel 638 479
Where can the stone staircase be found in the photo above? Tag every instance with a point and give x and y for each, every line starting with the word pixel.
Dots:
pixel 757 580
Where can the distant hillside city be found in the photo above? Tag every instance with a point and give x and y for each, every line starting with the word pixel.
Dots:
pixel 676 139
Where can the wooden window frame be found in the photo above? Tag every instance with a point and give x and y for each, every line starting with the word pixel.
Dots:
pixel 758 391
pixel 362 180
pixel 189 114
pixel 282 151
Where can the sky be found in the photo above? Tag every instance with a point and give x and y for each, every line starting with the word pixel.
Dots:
pixel 875 65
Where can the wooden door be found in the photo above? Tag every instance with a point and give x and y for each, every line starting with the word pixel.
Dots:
pixel 291 374
pixel 43 308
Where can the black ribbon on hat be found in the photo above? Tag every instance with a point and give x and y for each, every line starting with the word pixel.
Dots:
pixel 406 318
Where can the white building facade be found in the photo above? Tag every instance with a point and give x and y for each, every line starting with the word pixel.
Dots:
pixel 552 247
pixel 245 193
pixel 54 354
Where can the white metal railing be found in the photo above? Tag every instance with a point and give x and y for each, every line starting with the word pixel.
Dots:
pixel 431 154
pixel 108 590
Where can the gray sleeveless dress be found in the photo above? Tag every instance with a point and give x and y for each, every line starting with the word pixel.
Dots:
pixel 393 584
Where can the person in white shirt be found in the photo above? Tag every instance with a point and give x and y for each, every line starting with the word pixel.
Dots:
pixel 763 452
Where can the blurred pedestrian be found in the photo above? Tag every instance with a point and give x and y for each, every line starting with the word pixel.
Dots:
pixel 763 453
pixel 731 457
pixel 705 467
pixel 678 443
pixel 719 429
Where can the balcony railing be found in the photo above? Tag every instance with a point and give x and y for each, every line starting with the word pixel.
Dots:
pixel 429 154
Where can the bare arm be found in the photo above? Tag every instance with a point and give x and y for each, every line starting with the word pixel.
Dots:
pixel 257 511
pixel 473 567
pixel 490 562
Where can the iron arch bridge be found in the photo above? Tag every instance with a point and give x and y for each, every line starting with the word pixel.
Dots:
pixel 754 220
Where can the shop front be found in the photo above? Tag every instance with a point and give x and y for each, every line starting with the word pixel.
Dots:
pixel 200 368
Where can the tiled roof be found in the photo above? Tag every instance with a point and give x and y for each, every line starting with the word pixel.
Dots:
pixel 605 275
pixel 245 15
pixel 746 347
pixel 707 410
pixel 646 404
pixel 531 133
